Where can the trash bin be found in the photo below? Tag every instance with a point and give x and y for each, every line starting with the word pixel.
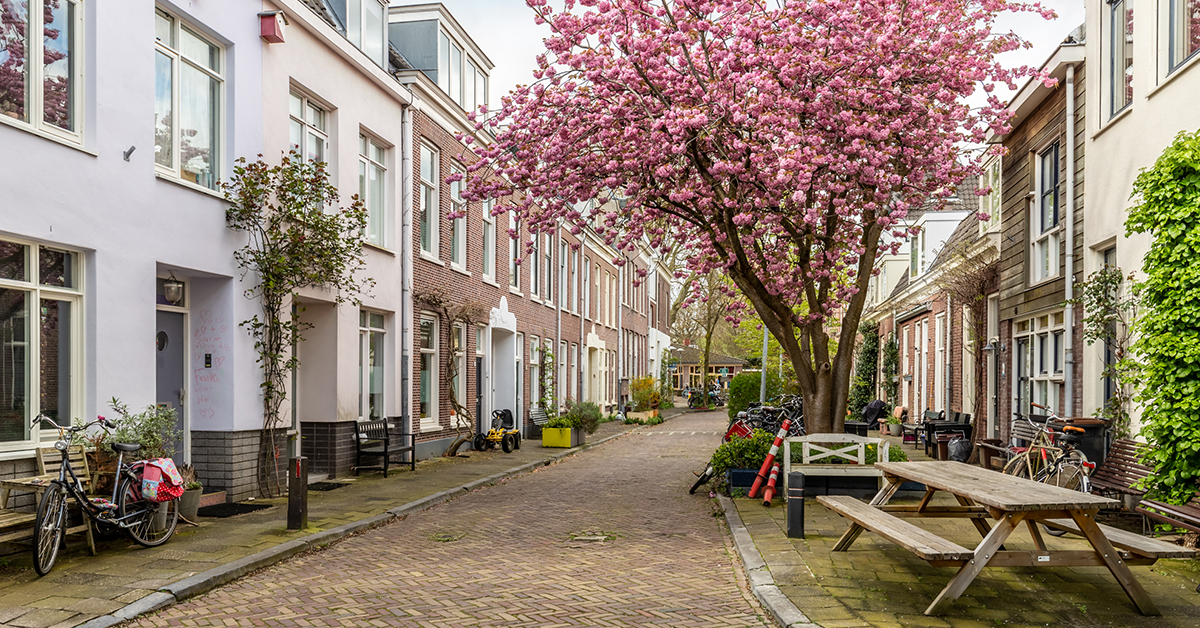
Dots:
pixel 855 427
pixel 943 443
pixel 1095 437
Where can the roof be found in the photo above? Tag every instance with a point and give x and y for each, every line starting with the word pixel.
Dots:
pixel 966 232
pixel 692 355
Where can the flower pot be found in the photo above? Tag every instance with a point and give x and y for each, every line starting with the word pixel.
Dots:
pixel 895 429
pixel 189 503
pixel 562 437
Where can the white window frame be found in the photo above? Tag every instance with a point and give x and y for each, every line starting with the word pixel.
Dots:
pixel 367 329
pixel 562 362
pixel 563 276
pixel 1118 50
pixel 914 255
pixel 489 243
pixel 356 28
pixel 587 288
pixel 514 251
pixel 36 292
pixel 1044 241
pixel 535 257
pixel 373 155
pixel 317 129
pixel 458 226
pixel 1177 57
pixel 535 371
pixel 575 282
pixel 35 96
pixel 178 60
pixel 1046 373
pixel 428 206
pixel 431 422
pixel 993 177
pixel 939 366
pixel 548 252
pixel 458 336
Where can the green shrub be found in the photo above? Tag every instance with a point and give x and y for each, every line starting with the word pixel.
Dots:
pixel 654 420
pixel 862 390
pixel 740 453
pixel 641 389
pixel 745 387
pixel 583 415
pixel 153 428
pixel 895 454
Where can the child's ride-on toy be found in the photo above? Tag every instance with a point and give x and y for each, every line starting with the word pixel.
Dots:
pixel 503 431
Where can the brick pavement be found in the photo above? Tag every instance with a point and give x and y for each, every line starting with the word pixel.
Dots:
pixel 519 553
pixel 82 586
pixel 876 583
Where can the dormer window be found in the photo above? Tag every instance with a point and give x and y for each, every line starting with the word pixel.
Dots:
pixel 916 256
pixel 459 76
pixel 363 23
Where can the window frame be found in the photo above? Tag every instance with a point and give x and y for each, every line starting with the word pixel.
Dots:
pixel 548 252
pixel 428 203
pixel 365 163
pixel 535 277
pixel 488 226
pixel 36 292
pixel 1176 8
pixel 1125 49
pixel 1045 242
pixel 1045 382
pixel 993 176
pixel 563 274
pixel 458 226
pixel 535 370
pixel 307 128
pixel 458 336
pixel 35 88
pixel 514 251
pixel 432 420
pixel 178 59
pixel 366 331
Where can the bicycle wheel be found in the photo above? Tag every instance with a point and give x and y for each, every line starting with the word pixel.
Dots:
pixel 150 523
pixel 1019 466
pixel 48 528
pixel 1070 472
pixel 704 477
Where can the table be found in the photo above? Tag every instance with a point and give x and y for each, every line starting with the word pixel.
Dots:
pixel 1009 501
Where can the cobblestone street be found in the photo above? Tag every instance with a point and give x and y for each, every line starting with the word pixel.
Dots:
pixel 525 552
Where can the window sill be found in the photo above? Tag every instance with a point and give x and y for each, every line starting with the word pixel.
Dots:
pixel 189 185
pixel 490 282
pixel 430 427
pixel 1113 120
pixel 46 135
pixel 1173 74
pixel 429 258
pixel 1041 282
pixel 534 299
pixel 28 453
pixel 460 270
pixel 515 291
pixel 381 249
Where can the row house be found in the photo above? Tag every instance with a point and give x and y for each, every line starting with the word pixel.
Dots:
pixel 137 232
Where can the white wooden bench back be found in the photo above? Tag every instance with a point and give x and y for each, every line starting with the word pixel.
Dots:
pixel 835 448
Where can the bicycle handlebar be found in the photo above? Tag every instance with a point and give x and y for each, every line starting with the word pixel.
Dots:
pixel 101 421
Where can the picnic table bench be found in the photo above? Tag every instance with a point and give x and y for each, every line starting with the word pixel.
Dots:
pixel 1009 502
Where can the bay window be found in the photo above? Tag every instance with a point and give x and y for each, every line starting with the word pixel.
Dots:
pixel 40 328
pixel 188 82
pixel 46 95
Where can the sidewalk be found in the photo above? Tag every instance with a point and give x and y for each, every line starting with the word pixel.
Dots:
pixel 124 580
pixel 804 583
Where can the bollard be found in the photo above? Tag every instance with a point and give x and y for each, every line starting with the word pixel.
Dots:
pixel 795 505
pixel 769 493
pixel 297 516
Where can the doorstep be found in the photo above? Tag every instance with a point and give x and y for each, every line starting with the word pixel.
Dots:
pixel 212 499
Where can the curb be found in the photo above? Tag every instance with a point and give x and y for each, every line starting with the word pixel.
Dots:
pixel 206 581
pixel 762 583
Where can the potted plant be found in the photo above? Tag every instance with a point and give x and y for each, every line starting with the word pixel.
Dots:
pixel 189 502
pixel 570 429
pixel 645 398
pixel 154 428
pixel 893 425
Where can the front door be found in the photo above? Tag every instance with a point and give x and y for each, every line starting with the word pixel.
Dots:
pixel 169 373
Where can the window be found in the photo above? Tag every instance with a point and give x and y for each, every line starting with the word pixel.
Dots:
pixel 364 25
pixel 458 225
pixel 429 202
pixel 548 250
pixel 574 377
pixel 1120 55
pixel 370 366
pixel 46 95
pixel 459 76
pixel 187 102
pixel 562 371
pixel 1044 225
pixel 575 281
pixel 428 398
pixel 458 347
pixel 535 370
pixel 914 255
pixel 307 127
pixel 40 338
pixel 587 288
pixel 444 62
pixel 562 274
pixel 1044 335
pixel 455 73
pixel 535 283
pixel 992 203
pixel 372 174
pixel 1185 30
pixel 514 250
pixel 489 242
pixel 1110 355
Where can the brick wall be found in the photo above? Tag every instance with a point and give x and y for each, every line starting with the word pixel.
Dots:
pixel 329 447
pixel 227 461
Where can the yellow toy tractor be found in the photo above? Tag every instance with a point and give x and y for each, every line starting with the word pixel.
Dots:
pixel 503 432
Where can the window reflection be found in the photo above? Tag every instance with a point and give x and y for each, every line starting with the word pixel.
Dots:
pixel 14 365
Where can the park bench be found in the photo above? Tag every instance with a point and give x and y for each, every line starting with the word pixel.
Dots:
pixel 831 455
pixel 539 418
pixel 381 439
pixel 994 454
pixel 1120 473
pixel 926 545
pixel 16 525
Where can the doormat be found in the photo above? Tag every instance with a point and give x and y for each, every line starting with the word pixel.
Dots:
pixel 326 486
pixel 221 511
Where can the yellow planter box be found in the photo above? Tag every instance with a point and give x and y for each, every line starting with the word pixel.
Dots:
pixel 561 437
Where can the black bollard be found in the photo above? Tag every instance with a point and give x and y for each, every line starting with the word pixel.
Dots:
pixel 297 518
pixel 795 505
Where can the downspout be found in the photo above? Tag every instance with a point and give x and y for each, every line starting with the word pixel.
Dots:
pixel 1069 289
pixel 949 353
pixel 406 144
pixel 620 297
pixel 558 263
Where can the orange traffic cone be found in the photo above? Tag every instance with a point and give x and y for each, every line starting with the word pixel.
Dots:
pixel 762 473
pixel 769 493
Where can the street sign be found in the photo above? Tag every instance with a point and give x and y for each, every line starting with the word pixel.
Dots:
pixel 673 367
pixel 724 370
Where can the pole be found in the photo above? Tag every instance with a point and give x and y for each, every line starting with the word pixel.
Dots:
pixel 762 386
pixel 795 505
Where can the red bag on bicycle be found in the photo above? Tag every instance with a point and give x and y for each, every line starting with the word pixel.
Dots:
pixel 161 481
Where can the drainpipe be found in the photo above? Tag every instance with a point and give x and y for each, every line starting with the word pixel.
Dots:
pixel 406 144
pixel 620 297
pixel 558 312
pixel 949 360
pixel 1069 313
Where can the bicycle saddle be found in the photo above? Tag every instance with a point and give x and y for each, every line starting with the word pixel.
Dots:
pixel 126 447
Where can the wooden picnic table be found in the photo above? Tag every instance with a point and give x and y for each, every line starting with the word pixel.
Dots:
pixel 1009 501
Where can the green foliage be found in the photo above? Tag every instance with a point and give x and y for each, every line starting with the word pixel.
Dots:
pixel 548 401
pixel 741 453
pixel 862 390
pixel 895 454
pixel 153 428
pixel 641 389
pixel 744 389
pixel 584 415
pixel 1168 329
pixel 891 368
pixel 1108 311
pixel 666 393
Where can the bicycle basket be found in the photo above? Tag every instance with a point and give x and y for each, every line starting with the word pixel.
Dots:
pixel 161 481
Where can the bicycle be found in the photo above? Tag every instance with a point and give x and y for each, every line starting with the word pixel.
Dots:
pixel 149 523
pixel 1068 467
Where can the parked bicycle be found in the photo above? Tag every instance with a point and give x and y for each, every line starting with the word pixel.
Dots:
pixel 1053 457
pixel 150 523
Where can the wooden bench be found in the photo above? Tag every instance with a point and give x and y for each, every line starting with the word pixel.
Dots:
pixel 923 543
pixel 15 525
pixel 1123 469
pixel 1130 541
pixel 382 439
pixel 849 449
pixel 994 454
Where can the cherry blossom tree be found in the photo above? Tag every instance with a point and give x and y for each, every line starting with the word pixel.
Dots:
pixel 778 140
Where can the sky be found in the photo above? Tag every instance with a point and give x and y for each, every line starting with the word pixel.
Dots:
pixel 504 29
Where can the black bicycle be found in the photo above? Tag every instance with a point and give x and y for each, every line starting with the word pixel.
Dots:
pixel 150 523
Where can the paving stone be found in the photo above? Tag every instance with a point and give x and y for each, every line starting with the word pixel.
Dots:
pixel 41 618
